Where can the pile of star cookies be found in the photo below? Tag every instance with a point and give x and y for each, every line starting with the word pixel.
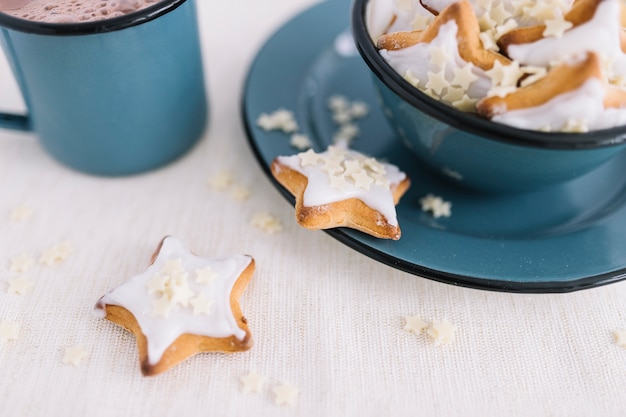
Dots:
pixel 555 65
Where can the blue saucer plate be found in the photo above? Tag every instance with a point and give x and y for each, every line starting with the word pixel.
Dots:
pixel 564 238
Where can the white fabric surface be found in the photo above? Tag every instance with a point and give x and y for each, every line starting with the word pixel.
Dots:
pixel 324 318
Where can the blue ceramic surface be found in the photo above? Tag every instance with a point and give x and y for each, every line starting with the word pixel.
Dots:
pixel 480 154
pixel 563 238
pixel 115 97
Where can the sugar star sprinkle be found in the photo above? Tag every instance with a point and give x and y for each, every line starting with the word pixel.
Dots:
pixel 8 330
pixel 240 193
pixel 438 56
pixel 21 213
pixel 437 81
pixel 442 332
pixel 252 382
pixel 308 158
pixel 436 205
pixel 466 104
pixel 575 125
pixel 74 355
pixel 300 141
pixel 285 394
pixel 20 286
pixel 267 223
pixel 280 119
pixel 222 180
pixel 620 337
pixel 56 254
pixel 201 304
pixel 346 133
pixel 358 109
pixel 338 103
pixel 414 324
pixel 206 275
pixel 556 27
pixel 21 263
pixel 464 76
pixel 175 318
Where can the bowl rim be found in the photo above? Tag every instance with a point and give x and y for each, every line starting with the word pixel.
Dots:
pixel 469 122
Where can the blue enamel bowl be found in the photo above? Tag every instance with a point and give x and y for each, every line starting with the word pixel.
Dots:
pixel 473 152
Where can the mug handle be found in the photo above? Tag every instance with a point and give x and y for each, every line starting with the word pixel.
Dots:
pixel 15 122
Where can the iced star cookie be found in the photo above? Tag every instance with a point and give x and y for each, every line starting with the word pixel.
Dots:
pixel 469 45
pixel 590 25
pixel 182 305
pixel 343 188
pixel 571 97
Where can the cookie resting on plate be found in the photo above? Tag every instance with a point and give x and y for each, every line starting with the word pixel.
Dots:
pixel 182 305
pixel 343 188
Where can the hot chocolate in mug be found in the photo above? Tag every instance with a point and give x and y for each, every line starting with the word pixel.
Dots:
pixel 112 96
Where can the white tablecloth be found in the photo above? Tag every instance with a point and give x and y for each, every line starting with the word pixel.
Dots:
pixel 324 318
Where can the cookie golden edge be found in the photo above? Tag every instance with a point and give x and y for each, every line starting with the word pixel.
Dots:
pixel 351 213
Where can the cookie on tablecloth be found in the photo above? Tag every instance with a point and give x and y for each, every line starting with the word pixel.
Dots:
pixel 181 305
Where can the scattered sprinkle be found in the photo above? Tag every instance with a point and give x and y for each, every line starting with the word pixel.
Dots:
pixel 414 324
pixel 222 180
pixel 359 109
pixel 252 382
pixel 21 263
pixel 56 254
pixel 346 133
pixel 267 223
pixel 8 330
pixel 436 205
pixel 21 213
pixel 74 355
pixel 280 119
pixel 285 394
pixel 620 337
pixel 300 141
pixel 20 286
pixel 240 193
pixel 442 332
pixel 338 103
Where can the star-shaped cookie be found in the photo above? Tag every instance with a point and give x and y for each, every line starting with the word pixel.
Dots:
pixel 569 34
pixel 560 80
pixel 341 187
pixel 470 47
pixel 175 312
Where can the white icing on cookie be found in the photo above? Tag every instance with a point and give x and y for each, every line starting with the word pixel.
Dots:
pixel 583 107
pixel 601 34
pixel 180 275
pixel 339 174
pixel 421 64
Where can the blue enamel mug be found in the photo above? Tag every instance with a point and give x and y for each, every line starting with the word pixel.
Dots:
pixel 111 97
